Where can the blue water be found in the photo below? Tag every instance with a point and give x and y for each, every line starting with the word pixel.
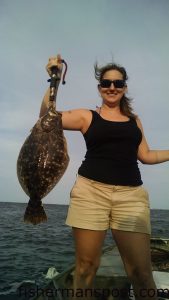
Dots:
pixel 27 251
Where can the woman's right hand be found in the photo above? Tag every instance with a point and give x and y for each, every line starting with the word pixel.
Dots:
pixel 76 119
pixel 54 61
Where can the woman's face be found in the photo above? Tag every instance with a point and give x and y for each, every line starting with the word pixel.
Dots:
pixel 112 95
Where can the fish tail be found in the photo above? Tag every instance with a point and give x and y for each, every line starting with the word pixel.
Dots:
pixel 34 212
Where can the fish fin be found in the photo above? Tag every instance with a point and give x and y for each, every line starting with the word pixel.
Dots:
pixel 34 212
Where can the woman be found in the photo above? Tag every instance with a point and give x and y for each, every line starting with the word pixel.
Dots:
pixel 108 191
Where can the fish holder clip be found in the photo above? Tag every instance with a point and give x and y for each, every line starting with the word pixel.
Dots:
pixel 55 80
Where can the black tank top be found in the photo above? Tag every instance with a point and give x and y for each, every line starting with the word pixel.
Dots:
pixel 111 155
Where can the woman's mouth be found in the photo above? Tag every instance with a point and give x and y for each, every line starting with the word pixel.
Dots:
pixel 112 94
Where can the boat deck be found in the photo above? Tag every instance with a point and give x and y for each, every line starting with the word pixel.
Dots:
pixel 111 281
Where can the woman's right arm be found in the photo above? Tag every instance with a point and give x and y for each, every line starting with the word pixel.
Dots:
pixel 76 119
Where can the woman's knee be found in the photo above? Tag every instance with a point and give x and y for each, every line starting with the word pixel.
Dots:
pixel 140 277
pixel 87 267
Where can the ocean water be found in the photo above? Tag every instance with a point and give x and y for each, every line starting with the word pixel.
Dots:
pixel 28 251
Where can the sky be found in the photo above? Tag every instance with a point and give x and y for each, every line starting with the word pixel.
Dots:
pixel 134 33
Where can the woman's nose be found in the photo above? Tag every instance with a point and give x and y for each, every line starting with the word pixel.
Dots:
pixel 112 87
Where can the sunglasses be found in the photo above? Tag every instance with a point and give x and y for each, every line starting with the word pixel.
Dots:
pixel 118 83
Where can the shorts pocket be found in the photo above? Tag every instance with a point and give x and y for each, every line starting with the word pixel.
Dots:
pixel 79 187
pixel 145 195
pixel 73 190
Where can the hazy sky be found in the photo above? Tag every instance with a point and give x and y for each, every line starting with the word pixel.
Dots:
pixel 134 32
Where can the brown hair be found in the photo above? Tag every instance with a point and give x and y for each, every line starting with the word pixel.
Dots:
pixel 125 103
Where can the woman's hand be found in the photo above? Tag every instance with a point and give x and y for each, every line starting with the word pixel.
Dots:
pixel 54 61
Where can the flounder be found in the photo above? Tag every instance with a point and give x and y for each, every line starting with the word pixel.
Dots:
pixel 43 158
pixel 42 162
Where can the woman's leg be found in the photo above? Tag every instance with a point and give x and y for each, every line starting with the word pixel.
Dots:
pixel 135 252
pixel 88 248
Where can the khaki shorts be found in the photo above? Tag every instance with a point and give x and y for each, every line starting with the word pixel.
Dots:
pixel 99 206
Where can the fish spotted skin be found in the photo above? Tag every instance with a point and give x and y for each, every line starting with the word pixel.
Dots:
pixel 42 161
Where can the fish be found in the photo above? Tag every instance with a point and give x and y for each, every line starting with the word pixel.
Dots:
pixel 43 158
pixel 42 161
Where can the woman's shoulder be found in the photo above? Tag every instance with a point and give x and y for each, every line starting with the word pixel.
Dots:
pixel 138 122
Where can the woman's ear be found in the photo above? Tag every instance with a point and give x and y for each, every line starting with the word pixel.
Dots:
pixel 126 89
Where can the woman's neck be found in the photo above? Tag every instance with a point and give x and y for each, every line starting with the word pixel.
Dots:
pixel 110 108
